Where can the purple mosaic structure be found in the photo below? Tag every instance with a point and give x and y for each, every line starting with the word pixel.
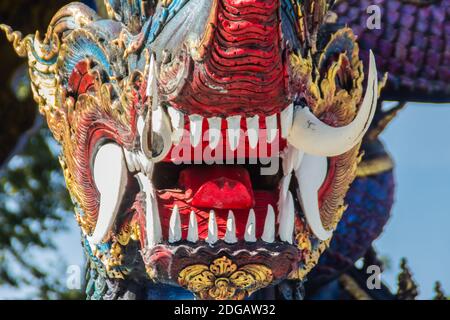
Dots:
pixel 412 45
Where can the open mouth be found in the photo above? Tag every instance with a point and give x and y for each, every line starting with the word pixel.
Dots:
pixel 241 197
pixel 247 206
pixel 218 202
pixel 239 204
pixel 226 188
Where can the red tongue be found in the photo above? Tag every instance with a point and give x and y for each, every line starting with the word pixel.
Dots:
pixel 223 187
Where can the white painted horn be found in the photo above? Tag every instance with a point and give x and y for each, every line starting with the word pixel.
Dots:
pixel 314 137
pixel 110 175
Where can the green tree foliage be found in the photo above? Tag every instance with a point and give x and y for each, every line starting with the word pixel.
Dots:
pixel 34 204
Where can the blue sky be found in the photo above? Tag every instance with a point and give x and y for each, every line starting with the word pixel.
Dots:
pixel 418 140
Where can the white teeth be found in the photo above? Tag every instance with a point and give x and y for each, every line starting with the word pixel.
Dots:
pixel 140 125
pixel 175 226
pixel 153 223
pixel 143 139
pixel 286 229
pixel 196 123
pixel 215 125
pixel 177 120
pixel 253 131
pixel 310 176
pixel 110 177
pixel 193 228
pixel 271 128
pixel 230 234
pixel 212 228
pixel 144 163
pixel 287 118
pixel 234 131
pixel 233 128
pixel 292 159
pixel 250 229
pixel 160 122
pixel 131 160
pixel 284 187
pixel 137 161
pixel 269 226
pixel 152 85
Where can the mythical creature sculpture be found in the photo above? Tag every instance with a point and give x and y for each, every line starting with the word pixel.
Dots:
pixel 207 144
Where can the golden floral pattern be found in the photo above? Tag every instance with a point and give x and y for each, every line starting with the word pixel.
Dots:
pixel 223 280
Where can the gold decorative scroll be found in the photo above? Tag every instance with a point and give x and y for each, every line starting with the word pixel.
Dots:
pixel 223 280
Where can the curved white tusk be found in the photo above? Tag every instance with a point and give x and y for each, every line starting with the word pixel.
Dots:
pixel 313 136
pixel 110 176
pixel 152 220
pixel 160 121
pixel 310 176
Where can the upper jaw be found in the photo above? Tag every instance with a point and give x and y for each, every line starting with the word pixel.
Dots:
pixel 305 130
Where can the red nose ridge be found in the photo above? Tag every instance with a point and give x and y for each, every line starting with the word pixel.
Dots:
pixel 244 70
pixel 219 187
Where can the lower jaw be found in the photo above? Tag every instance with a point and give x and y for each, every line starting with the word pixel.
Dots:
pixel 167 201
pixel 245 267
pixel 222 270
pixel 204 267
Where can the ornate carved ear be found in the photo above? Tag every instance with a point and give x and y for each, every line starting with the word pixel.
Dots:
pixel 341 75
pixel 76 75
pixel 44 56
pixel 330 80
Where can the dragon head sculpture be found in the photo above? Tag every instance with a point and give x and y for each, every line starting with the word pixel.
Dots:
pixel 206 144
